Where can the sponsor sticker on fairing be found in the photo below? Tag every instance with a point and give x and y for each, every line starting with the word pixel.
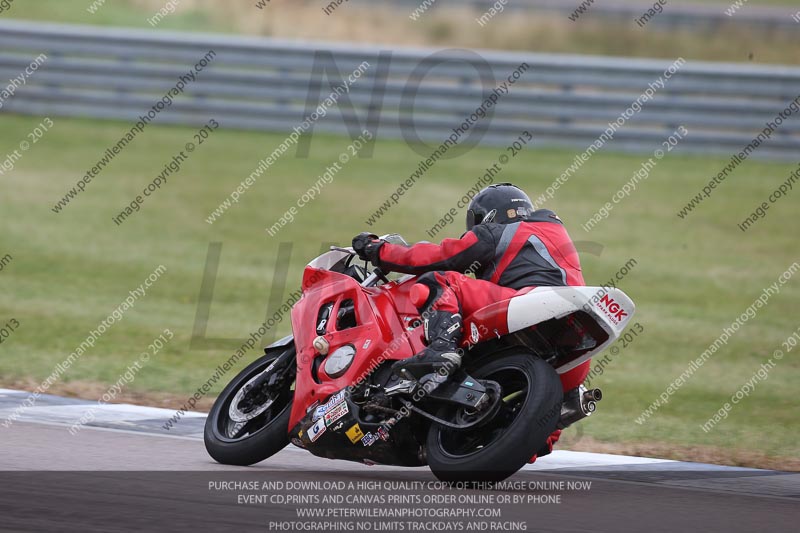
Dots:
pixel 336 413
pixel 327 406
pixel 611 309
pixel 316 431
pixel 383 434
pixel 475 335
pixel 369 439
pixel 354 433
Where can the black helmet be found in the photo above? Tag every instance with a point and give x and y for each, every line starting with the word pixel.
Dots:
pixel 502 203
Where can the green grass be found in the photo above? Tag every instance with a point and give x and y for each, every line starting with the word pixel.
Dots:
pixel 693 277
pixel 113 13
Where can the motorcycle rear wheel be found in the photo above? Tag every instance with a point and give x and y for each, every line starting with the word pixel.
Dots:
pixel 532 398
pixel 264 433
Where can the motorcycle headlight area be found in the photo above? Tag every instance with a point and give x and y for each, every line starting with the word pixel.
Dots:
pixel 339 361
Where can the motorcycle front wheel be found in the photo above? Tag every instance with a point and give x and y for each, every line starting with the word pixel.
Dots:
pixel 249 423
pixel 529 413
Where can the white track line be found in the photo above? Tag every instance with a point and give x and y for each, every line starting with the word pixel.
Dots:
pixel 67 414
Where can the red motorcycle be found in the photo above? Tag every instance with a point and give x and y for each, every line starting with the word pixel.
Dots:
pixel 329 388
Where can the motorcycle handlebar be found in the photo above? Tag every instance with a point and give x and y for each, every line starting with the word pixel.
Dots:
pixel 377 274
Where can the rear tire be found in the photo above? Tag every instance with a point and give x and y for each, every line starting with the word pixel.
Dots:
pixel 263 442
pixel 530 413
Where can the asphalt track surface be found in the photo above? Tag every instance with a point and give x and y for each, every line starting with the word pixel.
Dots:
pixel 126 473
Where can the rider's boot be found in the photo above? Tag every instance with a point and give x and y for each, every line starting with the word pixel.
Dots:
pixel 433 365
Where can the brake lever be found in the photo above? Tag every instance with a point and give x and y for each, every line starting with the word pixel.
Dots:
pixel 345 250
pixel 378 272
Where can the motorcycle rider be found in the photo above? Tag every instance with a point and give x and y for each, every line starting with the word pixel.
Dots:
pixel 509 247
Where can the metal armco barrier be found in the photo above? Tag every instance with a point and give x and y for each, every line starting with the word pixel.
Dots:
pixel 272 85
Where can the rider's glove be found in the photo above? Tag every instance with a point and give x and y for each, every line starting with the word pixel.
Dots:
pixel 368 247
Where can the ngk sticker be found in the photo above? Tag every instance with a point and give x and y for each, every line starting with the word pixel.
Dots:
pixel 611 309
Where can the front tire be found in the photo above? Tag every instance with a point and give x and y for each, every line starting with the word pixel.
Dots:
pixel 244 442
pixel 531 396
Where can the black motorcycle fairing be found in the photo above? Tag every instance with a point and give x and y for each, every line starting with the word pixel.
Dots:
pixel 360 436
pixel 281 343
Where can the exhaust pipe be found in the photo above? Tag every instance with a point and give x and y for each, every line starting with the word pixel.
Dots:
pixel 578 404
pixel 593 395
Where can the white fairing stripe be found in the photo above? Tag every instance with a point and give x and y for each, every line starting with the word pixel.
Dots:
pixel 610 308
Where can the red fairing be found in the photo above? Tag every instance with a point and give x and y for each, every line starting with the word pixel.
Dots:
pixel 384 332
pixel 419 294
pixel 575 377
pixel 489 322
